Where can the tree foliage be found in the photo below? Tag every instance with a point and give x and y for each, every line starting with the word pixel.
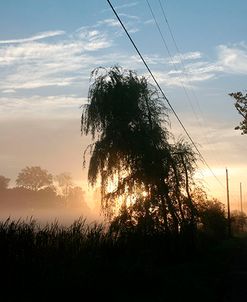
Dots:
pixel 4 182
pixel 131 155
pixel 34 178
pixel 238 222
pixel 211 215
pixel 241 106
pixel 65 183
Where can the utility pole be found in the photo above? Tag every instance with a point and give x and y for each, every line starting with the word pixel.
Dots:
pixel 241 200
pixel 241 207
pixel 228 206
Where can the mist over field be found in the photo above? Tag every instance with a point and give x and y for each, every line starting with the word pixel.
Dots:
pixel 50 215
pixel 46 198
pixel 123 129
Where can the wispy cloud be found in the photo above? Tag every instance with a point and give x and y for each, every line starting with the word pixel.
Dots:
pixel 109 22
pixel 149 21
pixel 39 36
pixel 127 5
pixel 193 55
pixel 91 40
pixel 8 91
pixel 122 6
pixel 133 17
pixel 187 69
pixel 179 80
pixel 131 22
pixel 35 64
pixel 194 67
pixel 32 64
pixel 233 58
pixel 41 106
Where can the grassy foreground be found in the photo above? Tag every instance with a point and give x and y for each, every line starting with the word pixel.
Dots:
pixel 85 261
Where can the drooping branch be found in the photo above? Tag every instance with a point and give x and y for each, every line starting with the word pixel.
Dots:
pixel 130 151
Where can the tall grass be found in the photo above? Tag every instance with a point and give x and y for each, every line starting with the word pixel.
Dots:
pixel 90 260
pixel 35 257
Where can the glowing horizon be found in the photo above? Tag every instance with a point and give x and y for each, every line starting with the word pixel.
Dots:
pixel 46 66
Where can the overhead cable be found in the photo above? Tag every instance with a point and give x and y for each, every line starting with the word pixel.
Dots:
pixel 162 92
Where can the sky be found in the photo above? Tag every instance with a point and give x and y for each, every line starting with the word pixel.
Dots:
pixel 197 51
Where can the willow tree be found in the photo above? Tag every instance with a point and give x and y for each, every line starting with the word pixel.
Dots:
pixel 130 154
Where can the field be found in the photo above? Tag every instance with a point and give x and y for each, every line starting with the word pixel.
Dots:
pixel 89 262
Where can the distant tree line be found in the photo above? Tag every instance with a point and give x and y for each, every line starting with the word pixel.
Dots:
pixel 37 188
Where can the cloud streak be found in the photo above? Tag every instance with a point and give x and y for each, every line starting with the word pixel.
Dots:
pixel 62 106
pixel 192 67
pixel 38 36
pixel 30 64
pixel 233 58
pixel 193 55
pixel 36 64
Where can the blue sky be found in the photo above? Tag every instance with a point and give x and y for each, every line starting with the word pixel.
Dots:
pixel 49 48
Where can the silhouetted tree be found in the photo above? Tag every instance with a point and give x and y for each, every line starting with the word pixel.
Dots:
pixel 131 154
pixel 238 221
pixel 241 106
pixel 4 182
pixel 65 183
pixel 211 215
pixel 34 178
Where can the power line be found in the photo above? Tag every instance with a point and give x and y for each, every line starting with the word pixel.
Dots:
pixel 170 55
pixel 178 51
pixel 162 92
pixel 169 28
pixel 184 69
pixel 174 65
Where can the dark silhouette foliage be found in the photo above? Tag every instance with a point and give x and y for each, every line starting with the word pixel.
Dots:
pixel 211 218
pixel 238 222
pixel 131 154
pixel 81 260
pixel 241 106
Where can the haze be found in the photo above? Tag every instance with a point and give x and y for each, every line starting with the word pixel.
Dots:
pixel 48 50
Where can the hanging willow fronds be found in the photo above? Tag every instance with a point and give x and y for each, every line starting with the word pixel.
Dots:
pixel 127 120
